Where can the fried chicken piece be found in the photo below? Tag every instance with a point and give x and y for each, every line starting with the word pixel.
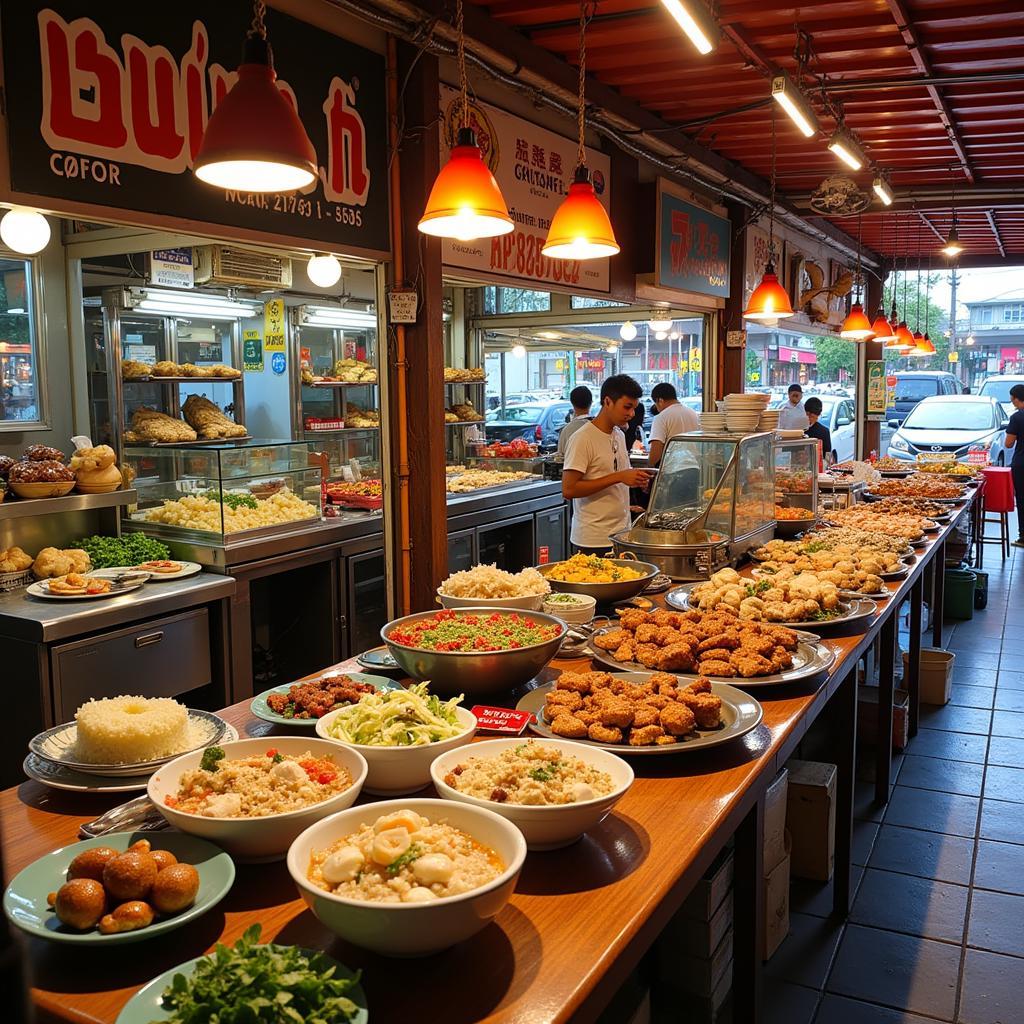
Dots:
pixel 677 719
pixel 716 668
pixel 576 681
pixel 633 618
pixel 645 715
pixel 750 665
pixel 648 655
pixel 729 641
pixel 662 617
pixel 781 659
pixel 677 658
pixel 701 685
pixel 707 709
pixel 664 741
pixel 627 652
pixel 646 633
pixel 569 726
pixel 717 654
pixel 617 712
pixel 666 636
pixel 568 699
pixel 612 639
pixel 660 679
pixel 645 737
pixel 604 734
pixel 757 644
pixel 589 717
pixel 599 680
pixel 658 701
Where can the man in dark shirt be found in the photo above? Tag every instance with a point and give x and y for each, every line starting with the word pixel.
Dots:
pixel 1014 431
pixel 817 429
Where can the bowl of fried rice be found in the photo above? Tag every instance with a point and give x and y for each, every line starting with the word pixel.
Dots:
pixel 488 585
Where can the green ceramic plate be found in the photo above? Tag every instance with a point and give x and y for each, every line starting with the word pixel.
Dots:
pixel 145 1006
pixel 25 898
pixel 261 709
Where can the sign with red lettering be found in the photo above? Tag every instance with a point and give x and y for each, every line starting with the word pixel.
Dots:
pixel 693 246
pixel 112 100
pixel 491 719
pixel 534 168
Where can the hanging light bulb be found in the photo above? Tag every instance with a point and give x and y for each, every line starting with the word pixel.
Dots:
pixel 25 231
pixel 660 335
pixel 323 271
pixel 856 326
pixel 581 229
pixel 627 332
pixel 674 335
pixel 255 141
pixel 519 351
pixel 612 348
pixel 769 301
pixel 465 202
pixel 969 340
pixel 659 326
pixel 953 247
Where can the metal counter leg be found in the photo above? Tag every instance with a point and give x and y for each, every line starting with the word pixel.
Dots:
pixel 939 578
pixel 912 678
pixel 883 750
pixel 748 922
pixel 845 739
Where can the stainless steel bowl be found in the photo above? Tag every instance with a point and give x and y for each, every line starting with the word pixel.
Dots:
pixel 474 673
pixel 605 593
pixel 793 527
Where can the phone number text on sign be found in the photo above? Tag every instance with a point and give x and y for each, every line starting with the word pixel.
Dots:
pixel 520 253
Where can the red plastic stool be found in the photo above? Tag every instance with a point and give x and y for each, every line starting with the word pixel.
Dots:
pixel 997 505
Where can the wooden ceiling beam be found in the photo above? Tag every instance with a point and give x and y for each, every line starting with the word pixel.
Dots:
pixel 990 217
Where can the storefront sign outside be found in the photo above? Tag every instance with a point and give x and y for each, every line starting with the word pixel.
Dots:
pixel 110 110
pixel 694 245
pixel 534 168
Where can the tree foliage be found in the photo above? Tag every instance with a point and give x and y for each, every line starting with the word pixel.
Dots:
pixel 916 306
pixel 835 354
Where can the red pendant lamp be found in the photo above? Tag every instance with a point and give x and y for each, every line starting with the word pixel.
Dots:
pixel 881 328
pixel 856 326
pixel 769 301
pixel 465 202
pixel 581 228
pixel 925 346
pixel 254 141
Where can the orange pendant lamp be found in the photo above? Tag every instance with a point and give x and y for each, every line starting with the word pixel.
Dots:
pixel 581 228
pixel 769 301
pixel 857 326
pixel 881 328
pixel 254 141
pixel 465 201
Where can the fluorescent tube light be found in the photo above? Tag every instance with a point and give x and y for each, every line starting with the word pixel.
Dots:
pixel 694 19
pixel 795 103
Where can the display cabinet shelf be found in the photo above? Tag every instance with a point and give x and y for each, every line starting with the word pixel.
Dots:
pixel 17 508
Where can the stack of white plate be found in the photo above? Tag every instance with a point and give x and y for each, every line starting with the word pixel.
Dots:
pixel 769 420
pixel 742 411
pixel 712 422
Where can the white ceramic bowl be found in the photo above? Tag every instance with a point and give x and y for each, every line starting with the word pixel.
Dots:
pixel 411 929
pixel 573 614
pixel 545 828
pixel 266 838
pixel 392 771
pixel 532 603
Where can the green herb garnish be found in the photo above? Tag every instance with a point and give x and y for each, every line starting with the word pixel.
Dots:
pixel 211 755
pixel 545 773
pixel 405 859
pixel 233 501
pixel 277 758
pixel 253 983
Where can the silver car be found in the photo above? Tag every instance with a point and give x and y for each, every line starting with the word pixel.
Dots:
pixel 998 386
pixel 951 426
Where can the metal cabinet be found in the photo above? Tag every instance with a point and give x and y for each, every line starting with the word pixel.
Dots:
pixel 550 533
pixel 461 550
pixel 366 600
pixel 509 544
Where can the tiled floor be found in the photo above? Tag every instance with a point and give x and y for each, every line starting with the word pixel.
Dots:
pixel 937 927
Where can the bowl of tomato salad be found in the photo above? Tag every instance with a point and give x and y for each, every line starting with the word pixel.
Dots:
pixel 474 652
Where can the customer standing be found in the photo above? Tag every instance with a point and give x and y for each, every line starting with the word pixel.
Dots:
pixel 596 473
pixel 673 418
pixel 1014 432
pixel 635 430
pixel 792 415
pixel 582 399
pixel 818 430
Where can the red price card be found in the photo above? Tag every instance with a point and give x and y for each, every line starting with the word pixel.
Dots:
pixel 500 719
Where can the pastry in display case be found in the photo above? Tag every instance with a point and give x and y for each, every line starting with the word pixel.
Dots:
pixel 796 472
pixel 219 492
pixel 712 500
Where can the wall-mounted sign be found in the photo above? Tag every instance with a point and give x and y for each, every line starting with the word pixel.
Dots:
pixel 735 339
pixel 278 363
pixel 954 357
pixel 273 325
pixel 402 305
pixel 172 268
pixel 877 398
pixel 113 99
pixel 534 168
pixel 252 352
pixel 693 246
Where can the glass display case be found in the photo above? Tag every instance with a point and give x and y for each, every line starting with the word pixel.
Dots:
pixel 796 473
pixel 216 493
pixel 711 502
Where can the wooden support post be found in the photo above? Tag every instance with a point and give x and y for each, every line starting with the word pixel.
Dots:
pixel 883 741
pixel 873 350
pixel 732 361
pixel 748 921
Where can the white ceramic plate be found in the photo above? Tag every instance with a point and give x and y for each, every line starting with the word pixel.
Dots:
pixel 40 589
pixel 187 569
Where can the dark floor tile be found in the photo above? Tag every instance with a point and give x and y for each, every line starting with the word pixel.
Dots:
pixel 918 906
pixel 957 746
pixel 788 1004
pixel 864 833
pixel 806 953
pixel 991 989
pixel 1008 680
pixel 999 866
pixel 1006 751
pixel 815 898
pixel 927 854
pixel 953 718
pixel 975 661
pixel 1002 821
pixel 963 777
pixel 840 1010
pixel 1009 700
pixel 933 812
pixel 966 695
pixel 901 971
pixel 995 923
pixel 972 676
pixel 1008 723
pixel 964 642
pixel 1002 783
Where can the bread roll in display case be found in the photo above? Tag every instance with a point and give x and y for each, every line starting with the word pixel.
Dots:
pixel 713 499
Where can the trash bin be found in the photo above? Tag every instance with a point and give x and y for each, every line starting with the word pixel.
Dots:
pixel 981 590
pixel 936 678
pixel 959 593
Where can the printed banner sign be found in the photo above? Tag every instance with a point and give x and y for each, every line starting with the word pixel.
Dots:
pixel 273 325
pixel 172 268
pixel 693 246
pixel 113 99
pixel 534 168
pixel 252 352
pixel 877 390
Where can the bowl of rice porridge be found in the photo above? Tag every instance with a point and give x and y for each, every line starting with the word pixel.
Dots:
pixel 407 877
pixel 553 791
pixel 488 585
pixel 253 797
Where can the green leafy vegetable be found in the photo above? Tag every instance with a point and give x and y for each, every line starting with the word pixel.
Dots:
pixel 211 755
pixel 544 773
pixel 277 758
pixel 254 983
pixel 131 549
pixel 415 851
pixel 233 501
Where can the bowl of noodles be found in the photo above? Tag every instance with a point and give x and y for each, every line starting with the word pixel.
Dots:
pixel 604 579
pixel 488 585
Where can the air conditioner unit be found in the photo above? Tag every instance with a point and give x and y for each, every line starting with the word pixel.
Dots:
pixel 227 265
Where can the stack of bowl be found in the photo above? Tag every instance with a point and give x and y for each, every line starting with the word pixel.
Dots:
pixel 712 422
pixel 742 411
pixel 769 420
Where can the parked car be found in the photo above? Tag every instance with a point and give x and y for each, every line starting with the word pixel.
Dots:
pixel 998 386
pixel 913 386
pixel 838 414
pixel 951 425
pixel 538 422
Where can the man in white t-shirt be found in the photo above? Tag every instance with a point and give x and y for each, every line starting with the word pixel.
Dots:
pixel 673 418
pixel 792 415
pixel 582 399
pixel 596 473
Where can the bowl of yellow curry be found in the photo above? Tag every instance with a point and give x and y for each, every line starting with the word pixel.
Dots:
pixel 604 579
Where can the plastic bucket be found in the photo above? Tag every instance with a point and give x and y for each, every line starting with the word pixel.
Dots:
pixel 936 675
pixel 981 590
pixel 959 593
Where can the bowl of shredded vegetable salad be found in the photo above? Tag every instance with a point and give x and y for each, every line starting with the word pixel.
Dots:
pixel 399 733
pixel 474 652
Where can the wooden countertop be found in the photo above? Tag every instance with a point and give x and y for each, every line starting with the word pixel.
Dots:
pixel 579 921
